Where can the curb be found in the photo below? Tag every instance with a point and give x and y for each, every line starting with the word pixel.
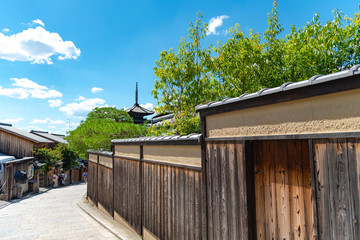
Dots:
pixel 100 222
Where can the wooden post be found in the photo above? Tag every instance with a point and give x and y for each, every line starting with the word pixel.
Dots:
pixel 250 188
pixel 203 179
pixel 113 181
pixel 141 189
pixel 97 180
pixel 313 188
pixel 10 177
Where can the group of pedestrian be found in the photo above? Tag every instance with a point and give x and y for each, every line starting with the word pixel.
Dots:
pixel 59 179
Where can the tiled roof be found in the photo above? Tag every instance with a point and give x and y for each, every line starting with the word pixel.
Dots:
pixel 23 134
pixel 100 152
pixel 285 87
pixel 190 137
pixel 139 110
pixel 49 136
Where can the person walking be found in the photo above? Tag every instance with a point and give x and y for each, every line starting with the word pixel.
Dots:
pixel 85 176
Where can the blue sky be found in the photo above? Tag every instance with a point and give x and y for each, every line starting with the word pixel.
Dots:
pixel 59 59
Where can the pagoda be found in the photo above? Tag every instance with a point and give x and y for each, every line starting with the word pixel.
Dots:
pixel 137 112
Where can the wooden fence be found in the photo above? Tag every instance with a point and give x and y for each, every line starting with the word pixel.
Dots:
pixel 258 189
pixel 154 188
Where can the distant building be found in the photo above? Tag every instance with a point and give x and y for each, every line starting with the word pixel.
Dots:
pixel 158 119
pixel 52 137
pixel 137 112
pixel 19 143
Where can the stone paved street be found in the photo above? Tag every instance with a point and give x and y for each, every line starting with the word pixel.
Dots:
pixel 53 214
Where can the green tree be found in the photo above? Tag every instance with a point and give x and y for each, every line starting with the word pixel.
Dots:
pixel 49 157
pixel 237 64
pixel 184 78
pixel 98 133
pixel 68 156
pixel 119 115
pixel 246 63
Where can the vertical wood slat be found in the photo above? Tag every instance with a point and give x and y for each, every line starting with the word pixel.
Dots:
pixel 259 192
pixel 127 197
pixel 335 176
pixel 169 201
pixel 320 160
pixel 353 146
pixel 226 191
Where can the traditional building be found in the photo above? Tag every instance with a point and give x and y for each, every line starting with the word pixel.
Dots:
pixel 137 112
pixel 19 143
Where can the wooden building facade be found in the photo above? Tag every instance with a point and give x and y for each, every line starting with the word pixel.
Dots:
pixel 19 143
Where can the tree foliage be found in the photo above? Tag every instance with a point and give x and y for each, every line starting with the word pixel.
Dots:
pixel 118 115
pixel 197 74
pixel 52 156
pixel 98 133
pixel 49 157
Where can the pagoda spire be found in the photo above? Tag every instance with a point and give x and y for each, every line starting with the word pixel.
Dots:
pixel 136 94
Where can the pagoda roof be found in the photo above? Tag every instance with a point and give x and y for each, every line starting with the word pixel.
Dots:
pixel 137 109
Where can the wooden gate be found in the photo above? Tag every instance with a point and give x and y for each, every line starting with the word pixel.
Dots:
pixel 283 190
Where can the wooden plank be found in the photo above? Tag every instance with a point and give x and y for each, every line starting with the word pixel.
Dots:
pixel 158 201
pixel 246 158
pixel 353 146
pixel 322 191
pixel 216 172
pixel 309 200
pixel 173 204
pixel 223 191
pixel 186 205
pixel 282 190
pixel 299 168
pixel 198 205
pixel 342 194
pixel 294 190
pixel 210 189
pixel 331 165
pixel 259 190
pixel 182 205
pixel 191 203
pixel 270 190
pixel 234 223
pixel 165 202
pixel 203 183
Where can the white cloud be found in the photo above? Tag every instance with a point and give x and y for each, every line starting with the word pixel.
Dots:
pixel 47 121
pixel 19 93
pixel 9 120
pixel 28 88
pixel 6 30
pixel 37 21
pixel 26 83
pixel 37 93
pixel 82 108
pixel 80 98
pixel 52 127
pixel 215 23
pixel 147 106
pixel 55 103
pixel 36 45
pixel 96 90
